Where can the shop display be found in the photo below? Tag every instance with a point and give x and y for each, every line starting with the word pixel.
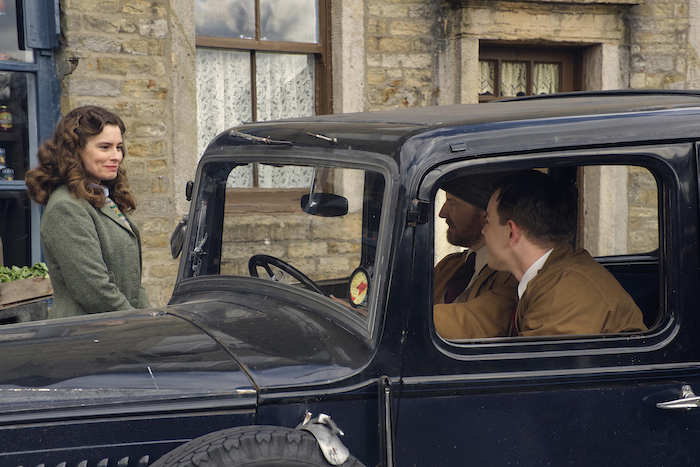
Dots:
pixel 5 118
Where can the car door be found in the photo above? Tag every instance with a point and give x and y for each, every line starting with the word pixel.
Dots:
pixel 569 400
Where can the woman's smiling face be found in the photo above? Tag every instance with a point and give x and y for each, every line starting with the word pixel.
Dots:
pixel 102 154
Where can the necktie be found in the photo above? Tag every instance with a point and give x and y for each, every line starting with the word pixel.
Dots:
pixel 460 279
pixel 514 322
pixel 113 206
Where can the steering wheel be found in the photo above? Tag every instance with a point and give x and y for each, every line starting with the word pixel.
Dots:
pixel 265 261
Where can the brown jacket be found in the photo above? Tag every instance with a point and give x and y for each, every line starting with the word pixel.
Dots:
pixel 487 306
pixel 573 294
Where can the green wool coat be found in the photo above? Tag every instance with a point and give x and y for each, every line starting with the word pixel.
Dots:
pixel 94 258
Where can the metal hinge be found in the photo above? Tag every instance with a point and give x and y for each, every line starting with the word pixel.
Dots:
pixel 419 211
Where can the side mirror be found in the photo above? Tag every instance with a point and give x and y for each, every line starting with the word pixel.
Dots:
pixel 178 236
pixel 324 205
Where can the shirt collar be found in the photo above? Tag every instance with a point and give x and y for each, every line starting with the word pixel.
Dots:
pixel 531 273
pixel 101 187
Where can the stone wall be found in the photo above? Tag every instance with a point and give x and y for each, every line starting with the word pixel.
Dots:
pixel 126 55
pixel 660 50
pixel 322 249
pixel 401 44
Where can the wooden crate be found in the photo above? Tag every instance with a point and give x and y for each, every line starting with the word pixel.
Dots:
pixel 24 300
pixel 25 290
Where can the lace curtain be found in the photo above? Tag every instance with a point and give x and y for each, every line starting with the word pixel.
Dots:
pixel 285 88
pixel 513 79
pixel 488 84
pixel 285 85
pixel 545 78
pixel 223 92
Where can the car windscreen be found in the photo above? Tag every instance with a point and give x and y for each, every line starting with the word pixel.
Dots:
pixel 307 226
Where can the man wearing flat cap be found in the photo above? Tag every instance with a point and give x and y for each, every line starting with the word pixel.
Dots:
pixel 470 299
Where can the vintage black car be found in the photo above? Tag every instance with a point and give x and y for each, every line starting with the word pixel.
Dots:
pixel 305 291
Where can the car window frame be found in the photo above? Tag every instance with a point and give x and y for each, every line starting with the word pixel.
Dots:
pixel 658 159
pixel 333 157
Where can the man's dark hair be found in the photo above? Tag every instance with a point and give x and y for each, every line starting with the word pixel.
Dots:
pixel 544 207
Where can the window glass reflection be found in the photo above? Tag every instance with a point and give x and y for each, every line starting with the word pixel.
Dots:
pixel 289 20
pixel 225 18
pixel 9 37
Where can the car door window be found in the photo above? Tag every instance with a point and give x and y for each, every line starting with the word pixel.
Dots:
pixel 617 224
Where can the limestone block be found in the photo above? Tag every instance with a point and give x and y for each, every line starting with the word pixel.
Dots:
pixel 407 60
pixel 95 43
pixel 376 76
pixel 146 128
pixel 376 26
pixel 344 247
pixel 146 148
pixel 306 249
pixel 394 44
pixel 162 271
pixel 410 28
pixel 99 22
pixel 150 7
pixel 153 28
pixel 123 66
pixel 155 240
pixel 157 167
pixel 102 6
pixel 93 87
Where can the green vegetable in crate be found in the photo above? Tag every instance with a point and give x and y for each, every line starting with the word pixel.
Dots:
pixel 15 273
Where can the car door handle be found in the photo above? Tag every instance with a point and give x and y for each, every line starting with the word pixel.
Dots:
pixel 687 401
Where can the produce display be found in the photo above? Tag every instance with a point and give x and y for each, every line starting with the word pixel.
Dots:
pixel 15 273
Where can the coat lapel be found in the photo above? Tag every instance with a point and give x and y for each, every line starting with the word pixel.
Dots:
pixel 107 211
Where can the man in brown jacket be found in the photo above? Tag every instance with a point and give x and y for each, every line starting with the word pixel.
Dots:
pixel 531 221
pixel 471 300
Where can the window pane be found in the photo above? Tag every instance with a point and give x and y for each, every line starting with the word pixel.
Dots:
pixel 285 85
pixel 545 78
pixel 321 247
pixel 225 18
pixel 513 79
pixel 9 45
pixel 223 92
pixel 488 70
pixel 289 20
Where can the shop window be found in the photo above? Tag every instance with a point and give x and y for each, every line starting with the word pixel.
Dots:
pixel 29 110
pixel 525 71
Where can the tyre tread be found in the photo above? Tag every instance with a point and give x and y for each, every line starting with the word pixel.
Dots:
pixel 249 444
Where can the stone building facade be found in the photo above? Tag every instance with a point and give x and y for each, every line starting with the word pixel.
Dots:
pixel 138 57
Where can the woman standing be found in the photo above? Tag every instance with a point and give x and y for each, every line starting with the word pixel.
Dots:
pixel 92 248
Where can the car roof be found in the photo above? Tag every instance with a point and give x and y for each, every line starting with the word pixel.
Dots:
pixel 516 125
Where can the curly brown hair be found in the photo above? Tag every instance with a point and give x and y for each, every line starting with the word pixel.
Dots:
pixel 60 162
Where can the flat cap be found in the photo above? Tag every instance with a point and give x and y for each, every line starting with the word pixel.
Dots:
pixel 474 189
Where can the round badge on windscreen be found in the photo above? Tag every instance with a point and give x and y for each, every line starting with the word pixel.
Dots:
pixel 358 287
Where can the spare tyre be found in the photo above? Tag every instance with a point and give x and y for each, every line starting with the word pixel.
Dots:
pixel 250 446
